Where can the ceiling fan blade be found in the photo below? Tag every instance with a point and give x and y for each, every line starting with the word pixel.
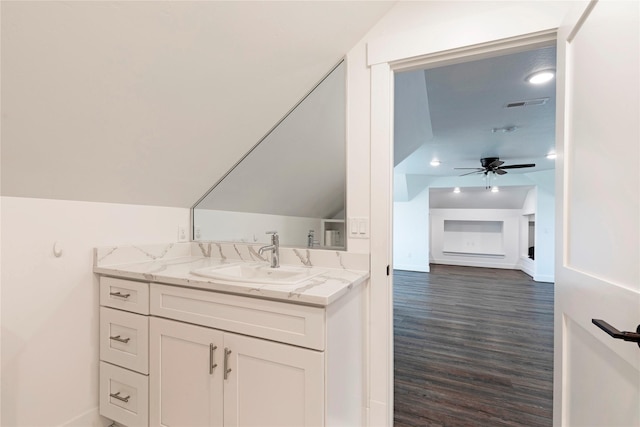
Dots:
pixel 478 169
pixel 528 165
pixel 500 171
pixel 495 164
pixel 472 172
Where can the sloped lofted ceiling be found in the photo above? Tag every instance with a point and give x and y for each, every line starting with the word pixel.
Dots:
pixel 152 102
pixel 466 108
pixel 459 113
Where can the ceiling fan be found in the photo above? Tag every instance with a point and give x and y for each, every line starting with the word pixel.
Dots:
pixel 494 164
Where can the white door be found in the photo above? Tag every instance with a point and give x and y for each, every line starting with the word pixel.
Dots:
pixel 597 378
pixel 185 385
pixel 270 384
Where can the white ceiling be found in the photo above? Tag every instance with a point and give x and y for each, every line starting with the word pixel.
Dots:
pixel 449 113
pixel 460 104
pixel 152 102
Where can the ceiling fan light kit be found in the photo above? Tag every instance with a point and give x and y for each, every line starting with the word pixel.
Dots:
pixel 492 166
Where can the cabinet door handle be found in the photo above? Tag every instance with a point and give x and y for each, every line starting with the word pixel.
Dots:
pixel 212 365
pixel 119 295
pixel 117 396
pixel 227 352
pixel 117 338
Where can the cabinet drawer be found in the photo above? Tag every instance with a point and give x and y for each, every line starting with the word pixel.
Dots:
pixel 124 294
pixel 124 395
pixel 277 321
pixel 124 339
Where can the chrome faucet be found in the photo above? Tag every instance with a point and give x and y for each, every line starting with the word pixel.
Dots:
pixel 274 247
pixel 311 241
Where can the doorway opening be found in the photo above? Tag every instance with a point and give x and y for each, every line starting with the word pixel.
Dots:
pixel 473 248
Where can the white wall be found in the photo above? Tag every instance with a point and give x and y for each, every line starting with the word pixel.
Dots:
pixel 50 305
pixel 545 225
pixel 358 141
pixel 526 237
pixel 410 218
pixel 529 204
pixel 539 205
pixel 411 233
pixel 510 237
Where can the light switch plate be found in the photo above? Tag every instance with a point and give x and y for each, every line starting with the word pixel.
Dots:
pixel 359 228
pixel 353 227
pixel 183 236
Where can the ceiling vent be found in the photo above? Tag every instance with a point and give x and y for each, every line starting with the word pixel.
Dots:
pixel 527 103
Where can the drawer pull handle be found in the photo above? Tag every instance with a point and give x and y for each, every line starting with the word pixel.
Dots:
pixel 117 396
pixel 227 352
pixel 212 365
pixel 117 338
pixel 119 295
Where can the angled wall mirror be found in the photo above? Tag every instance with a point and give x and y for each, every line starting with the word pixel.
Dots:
pixel 292 181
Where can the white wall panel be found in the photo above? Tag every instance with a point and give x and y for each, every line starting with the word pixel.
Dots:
pixel 49 310
pixel 411 233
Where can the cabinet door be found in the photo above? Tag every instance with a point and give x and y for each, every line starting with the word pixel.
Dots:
pixel 272 384
pixel 185 384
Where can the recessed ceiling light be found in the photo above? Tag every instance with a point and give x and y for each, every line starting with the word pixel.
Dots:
pixel 495 189
pixel 551 156
pixel 456 190
pixel 435 162
pixel 540 77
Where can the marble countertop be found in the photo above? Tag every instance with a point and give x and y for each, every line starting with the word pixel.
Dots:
pixel 321 290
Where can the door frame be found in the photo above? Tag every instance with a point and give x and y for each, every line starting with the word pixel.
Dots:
pixel 384 61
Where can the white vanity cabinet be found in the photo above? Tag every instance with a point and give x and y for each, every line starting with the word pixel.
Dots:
pixel 186 380
pixel 124 346
pixel 219 359
pixel 205 377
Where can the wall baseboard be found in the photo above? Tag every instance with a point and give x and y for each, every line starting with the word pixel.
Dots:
pixel 544 278
pixel 472 263
pixel 91 418
pixel 520 266
pixel 527 266
pixel 412 267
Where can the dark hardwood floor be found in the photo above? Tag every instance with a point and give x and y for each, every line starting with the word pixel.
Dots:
pixel 473 347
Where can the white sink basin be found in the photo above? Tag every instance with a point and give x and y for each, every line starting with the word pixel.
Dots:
pixel 259 273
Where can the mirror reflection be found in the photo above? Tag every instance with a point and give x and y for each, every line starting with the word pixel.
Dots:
pixel 293 181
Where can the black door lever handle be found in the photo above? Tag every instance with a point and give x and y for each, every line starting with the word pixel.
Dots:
pixel 622 335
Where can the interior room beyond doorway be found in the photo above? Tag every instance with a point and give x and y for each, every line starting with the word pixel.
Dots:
pixel 474 165
pixel 474 187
